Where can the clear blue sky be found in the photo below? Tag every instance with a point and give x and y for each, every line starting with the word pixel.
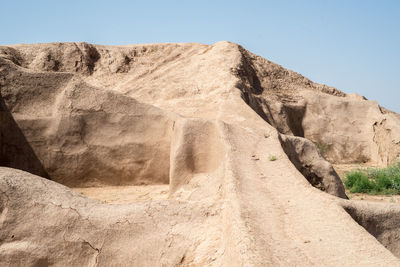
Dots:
pixel 352 45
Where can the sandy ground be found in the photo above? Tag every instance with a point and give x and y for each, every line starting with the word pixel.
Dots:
pixel 125 194
pixel 375 198
pixel 130 194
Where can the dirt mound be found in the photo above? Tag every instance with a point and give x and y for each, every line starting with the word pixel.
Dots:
pixel 222 151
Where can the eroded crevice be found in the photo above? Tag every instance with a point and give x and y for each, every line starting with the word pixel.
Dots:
pixel 92 56
pixel 249 79
pixel 282 108
pixel 97 252
pixel 379 220
pixel 294 118
pixel 287 118
pixel 278 106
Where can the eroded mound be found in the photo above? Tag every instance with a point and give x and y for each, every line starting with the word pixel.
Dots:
pixel 207 153
pixel 352 128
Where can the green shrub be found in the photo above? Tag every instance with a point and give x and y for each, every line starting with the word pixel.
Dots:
pixel 358 182
pixel 374 180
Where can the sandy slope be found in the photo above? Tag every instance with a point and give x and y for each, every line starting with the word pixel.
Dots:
pixel 202 121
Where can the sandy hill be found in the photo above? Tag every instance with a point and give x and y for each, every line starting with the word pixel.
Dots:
pixel 192 154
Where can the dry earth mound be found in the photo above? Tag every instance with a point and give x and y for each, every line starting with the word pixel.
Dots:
pixel 226 140
pixel 351 128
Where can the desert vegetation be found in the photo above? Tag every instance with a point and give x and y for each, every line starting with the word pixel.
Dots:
pixel 374 180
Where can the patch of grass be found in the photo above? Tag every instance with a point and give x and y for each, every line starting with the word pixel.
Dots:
pixel 272 158
pixel 374 180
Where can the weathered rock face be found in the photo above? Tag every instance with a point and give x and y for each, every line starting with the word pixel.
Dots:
pixel 84 136
pixel 209 122
pixel 307 159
